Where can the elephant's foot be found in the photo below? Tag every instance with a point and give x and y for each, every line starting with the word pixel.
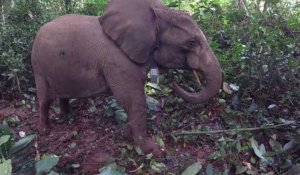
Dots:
pixel 148 146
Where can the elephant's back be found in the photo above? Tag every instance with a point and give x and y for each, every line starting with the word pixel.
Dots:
pixel 65 41
pixel 67 53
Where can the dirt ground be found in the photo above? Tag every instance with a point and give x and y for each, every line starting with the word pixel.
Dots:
pixel 90 140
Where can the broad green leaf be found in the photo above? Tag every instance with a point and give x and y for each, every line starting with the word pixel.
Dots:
pixel 259 153
pixel 21 144
pixel 152 103
pixel 192 169
pixel 46 164
pixel 110 170
pixel 4 139
pixel 5 167
pixel 121 115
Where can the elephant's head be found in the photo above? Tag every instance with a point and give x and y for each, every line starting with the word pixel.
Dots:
pixel 146 29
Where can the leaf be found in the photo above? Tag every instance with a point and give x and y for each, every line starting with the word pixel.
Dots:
pixel 209 170
pixel 192 169
pixel 139 150
pixel 252 108
pixel 153 104
pixel 53 173
pixel 21 144
pixel 121 116
pixel 153 85
pixel 4 139
pixel 5 167
pixel 158 167
pixel 75 165
pixel 159 141
pixel 72 145
pixel 276 146
pixel 226 88
pixel 259 153
pixel 289 146
pixel 92 109
pixel 240 169
pixel 234 87
pixel 46 164
pixel 110 170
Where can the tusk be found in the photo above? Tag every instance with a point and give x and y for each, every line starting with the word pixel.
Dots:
pixel 197 77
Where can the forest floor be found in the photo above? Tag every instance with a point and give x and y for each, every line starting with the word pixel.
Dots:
pixel 90 140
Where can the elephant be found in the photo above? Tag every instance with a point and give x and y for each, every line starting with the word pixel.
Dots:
pixel 78 56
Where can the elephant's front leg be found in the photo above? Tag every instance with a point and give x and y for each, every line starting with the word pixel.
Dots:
pixel 137 122
pixel 134 102
pixel 129 91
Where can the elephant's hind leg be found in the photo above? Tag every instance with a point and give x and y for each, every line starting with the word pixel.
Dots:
pixel 44 103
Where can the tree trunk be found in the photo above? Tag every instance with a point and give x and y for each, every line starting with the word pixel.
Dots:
pixel 241 5
pixel 68 5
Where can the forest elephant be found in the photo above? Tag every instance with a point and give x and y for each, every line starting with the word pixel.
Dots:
pixel 77 56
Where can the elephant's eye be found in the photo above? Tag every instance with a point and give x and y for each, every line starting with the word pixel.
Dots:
pixel 192 44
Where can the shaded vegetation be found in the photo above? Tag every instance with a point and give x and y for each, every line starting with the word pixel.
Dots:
pixel 258 45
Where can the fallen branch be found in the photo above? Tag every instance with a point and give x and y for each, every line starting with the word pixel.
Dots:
pixel 230 130
pixel 197 77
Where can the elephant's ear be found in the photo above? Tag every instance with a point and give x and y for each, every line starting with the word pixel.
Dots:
pixel 131 24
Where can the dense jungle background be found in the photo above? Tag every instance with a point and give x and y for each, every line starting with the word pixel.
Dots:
pixel 251 127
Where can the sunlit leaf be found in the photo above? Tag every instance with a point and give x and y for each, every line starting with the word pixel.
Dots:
pixel 4 139
pixel 5 167
pixel 46 163
pixel 121 115
pixel 259 153
pixel 192 169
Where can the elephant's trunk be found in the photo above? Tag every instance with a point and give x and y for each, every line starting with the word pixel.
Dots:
pixel 210 67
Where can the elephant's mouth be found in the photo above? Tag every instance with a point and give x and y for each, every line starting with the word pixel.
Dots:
pixel 212 79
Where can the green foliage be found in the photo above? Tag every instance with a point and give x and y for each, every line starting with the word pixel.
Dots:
pixel 8 149
pixel 46 164
pixel 192 169
pixel 5 167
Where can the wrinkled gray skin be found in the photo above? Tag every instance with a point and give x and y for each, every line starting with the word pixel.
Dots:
pixel 78 56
